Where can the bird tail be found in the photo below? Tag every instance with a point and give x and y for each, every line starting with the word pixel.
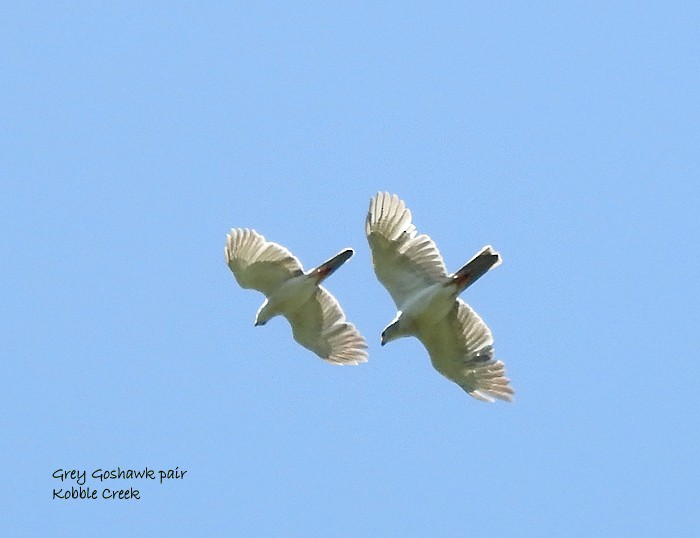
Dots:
pixel 326 269
pixel 475 268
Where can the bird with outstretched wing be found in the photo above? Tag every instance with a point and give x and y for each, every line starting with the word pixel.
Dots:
pixel 411 268
pixel 317 320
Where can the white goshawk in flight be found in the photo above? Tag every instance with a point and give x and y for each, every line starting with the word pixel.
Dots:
pixel 411 268
pixel 317 320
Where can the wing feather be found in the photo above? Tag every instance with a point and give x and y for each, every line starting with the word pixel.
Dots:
pixel 461 349
pixel 259 264
pixel 404 262
pixel 320 325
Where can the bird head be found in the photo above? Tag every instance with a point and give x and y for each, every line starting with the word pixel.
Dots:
pixel 263 315
pixel 392 331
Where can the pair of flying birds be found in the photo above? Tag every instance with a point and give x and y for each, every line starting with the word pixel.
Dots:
pixel 410 267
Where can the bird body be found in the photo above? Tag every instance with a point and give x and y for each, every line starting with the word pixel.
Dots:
pixel 287 298
pixel 317 320
pixel 412 270
pixel 296 291
pixel 425 308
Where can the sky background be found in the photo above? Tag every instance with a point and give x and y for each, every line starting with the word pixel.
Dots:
pixel 135 135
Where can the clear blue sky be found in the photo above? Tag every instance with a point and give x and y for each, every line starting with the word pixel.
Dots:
pixel 134 135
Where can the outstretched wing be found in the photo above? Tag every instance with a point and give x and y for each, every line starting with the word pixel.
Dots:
pixel 461 349
pixel 404 262
pixel 320 325
pixel 259 264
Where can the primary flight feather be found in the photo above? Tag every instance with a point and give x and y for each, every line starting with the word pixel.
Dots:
pixel 411 268
pixel 317 320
